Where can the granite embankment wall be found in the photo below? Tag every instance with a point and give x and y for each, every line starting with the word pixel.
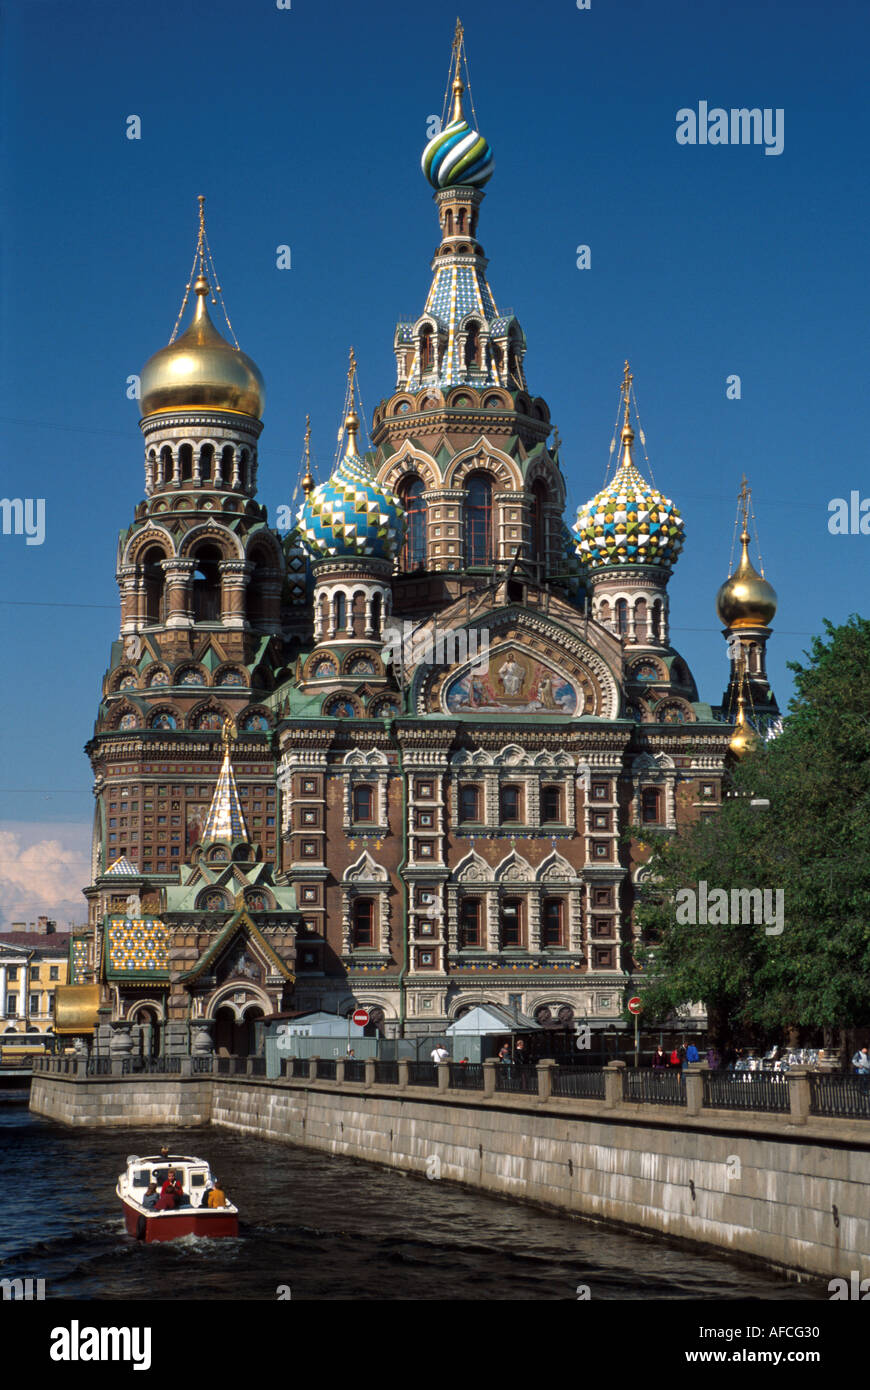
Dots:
pixel 793 1194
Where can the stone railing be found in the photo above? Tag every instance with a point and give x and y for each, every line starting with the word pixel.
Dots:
pixel 795 1096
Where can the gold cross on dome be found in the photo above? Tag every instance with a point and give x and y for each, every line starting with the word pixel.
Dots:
pixel 744 495
pixel 625 388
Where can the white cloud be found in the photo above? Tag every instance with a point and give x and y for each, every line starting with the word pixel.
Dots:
pixel 43 868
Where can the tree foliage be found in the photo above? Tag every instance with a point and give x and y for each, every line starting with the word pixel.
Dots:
pixel 813 843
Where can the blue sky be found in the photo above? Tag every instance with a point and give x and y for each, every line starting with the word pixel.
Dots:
pixel 304 127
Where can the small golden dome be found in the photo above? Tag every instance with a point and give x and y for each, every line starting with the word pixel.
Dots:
pixel 746 599
pixel 744 739
pixel 201 370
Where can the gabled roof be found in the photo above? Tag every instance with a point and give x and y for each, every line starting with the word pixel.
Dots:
pixel 238 924
pixel 492 1018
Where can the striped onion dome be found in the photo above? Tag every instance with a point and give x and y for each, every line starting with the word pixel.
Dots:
pixel 629 522
pixel 457 154
pixel 351 514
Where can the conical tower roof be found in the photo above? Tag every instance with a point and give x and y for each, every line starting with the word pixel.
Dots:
pixel 225 820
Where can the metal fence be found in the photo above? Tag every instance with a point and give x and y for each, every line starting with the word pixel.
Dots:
pixel 354 1070
pixel 746 1091
pixel 585 1082
pixel 422 1074
pixel 846 1097
pixel 654 1086
pixel 326 1068
pixel 466 1076
pixel 511 1078
pixel 151 1066
pixel 387 1071
pixel 300 1066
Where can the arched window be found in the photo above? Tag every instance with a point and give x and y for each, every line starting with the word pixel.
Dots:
pixel 551 925
pixel 339 612
pixel 364 803
pixel 207 585
pixel 256 603
pixel 363 922
pixel 656 623
pixel 650 805
pixel 640 620
pixel 469 922
pixel 206 462
pixel 510 804
pixel 226 473
pixel 411 496
pixel 166 468
pixel 358 614
pixel 427 357
pixel 478 520
pixel 622 617
pixel 472 346
pixel 539 524
pixel 469 803
pixel 377 612
pixel 155 586
pixel 186 455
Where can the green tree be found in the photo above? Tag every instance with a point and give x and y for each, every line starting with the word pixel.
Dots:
pixel 812 843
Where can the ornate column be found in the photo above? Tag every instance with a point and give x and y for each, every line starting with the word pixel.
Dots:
pixel 234 581
pixel 492 913
pixel 132 594
pixel 179 598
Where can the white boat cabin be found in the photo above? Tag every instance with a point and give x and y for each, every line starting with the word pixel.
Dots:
pixel 192 1173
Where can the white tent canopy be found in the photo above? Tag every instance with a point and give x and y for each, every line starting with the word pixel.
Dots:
pixel 491 1018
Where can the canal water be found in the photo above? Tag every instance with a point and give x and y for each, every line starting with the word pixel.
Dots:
pixel 322 1227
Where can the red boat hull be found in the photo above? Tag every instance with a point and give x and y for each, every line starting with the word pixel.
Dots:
pixel 188 1221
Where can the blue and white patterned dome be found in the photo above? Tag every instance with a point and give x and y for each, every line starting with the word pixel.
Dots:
pixel 351 514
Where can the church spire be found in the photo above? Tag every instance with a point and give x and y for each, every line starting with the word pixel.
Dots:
pixel 225 820
pixel 460 338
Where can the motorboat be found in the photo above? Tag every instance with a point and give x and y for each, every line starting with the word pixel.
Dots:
pixel 192 1217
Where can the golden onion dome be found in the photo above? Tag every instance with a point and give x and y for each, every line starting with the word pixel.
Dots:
pixel 201 370
pixel 744 739
pixel 746 599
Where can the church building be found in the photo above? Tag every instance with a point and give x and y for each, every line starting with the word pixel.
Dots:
pixel 390 757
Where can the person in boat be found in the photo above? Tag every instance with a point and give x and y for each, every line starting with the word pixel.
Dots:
pixel 216 1196
pixel 151 1196
pixel 170 1193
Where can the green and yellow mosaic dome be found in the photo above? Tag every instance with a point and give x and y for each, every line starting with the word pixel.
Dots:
pixel 351 514
pixel 629 522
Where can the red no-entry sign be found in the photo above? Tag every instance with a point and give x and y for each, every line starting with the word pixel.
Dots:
pixel 635 1006
pixel 360 1017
